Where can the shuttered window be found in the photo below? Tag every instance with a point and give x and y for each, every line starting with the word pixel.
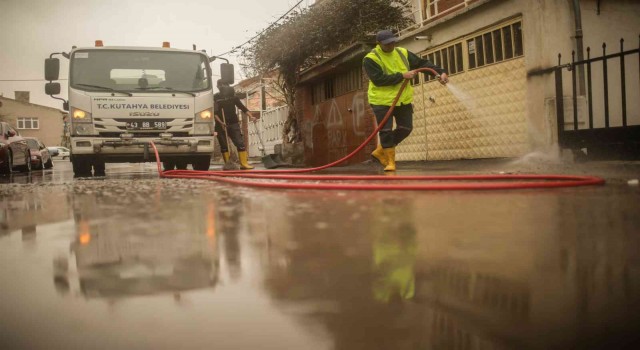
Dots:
pixel 337 85
pixel 496 45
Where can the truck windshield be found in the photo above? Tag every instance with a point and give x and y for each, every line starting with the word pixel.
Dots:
pixel 136 71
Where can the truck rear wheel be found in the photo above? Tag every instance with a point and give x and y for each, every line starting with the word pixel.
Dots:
pixel 181 165
pixel 98 168
pixel 201 163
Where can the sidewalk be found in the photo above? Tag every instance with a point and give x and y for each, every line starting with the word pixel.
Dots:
pixel 611 171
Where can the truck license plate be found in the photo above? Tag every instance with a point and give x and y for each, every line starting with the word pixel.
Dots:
pixel 146 125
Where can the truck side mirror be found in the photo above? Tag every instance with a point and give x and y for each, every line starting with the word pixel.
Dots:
pixel 51 69
pixel 226 73
pixel 52 88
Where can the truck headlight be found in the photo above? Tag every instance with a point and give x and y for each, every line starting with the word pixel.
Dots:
pixel 204 122
pixel 80 116
pixel 205 116
pixel 203 129
pixel 83 129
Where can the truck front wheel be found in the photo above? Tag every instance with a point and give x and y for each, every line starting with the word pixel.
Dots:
pixel 169 165
pixel 81 167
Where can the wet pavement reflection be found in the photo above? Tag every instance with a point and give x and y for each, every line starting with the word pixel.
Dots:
pixel 139 262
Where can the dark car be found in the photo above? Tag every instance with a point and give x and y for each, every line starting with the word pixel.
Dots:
pixel 40 156
pixel 14 151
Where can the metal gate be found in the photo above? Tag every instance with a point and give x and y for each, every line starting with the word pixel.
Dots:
pixel 605 114
pixel 270 125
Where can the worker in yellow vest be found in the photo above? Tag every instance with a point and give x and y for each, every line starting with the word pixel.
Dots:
pixel 387 66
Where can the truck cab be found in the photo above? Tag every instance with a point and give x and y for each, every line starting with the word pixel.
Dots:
pixel 122 98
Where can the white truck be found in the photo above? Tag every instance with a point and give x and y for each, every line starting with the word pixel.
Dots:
pixel 121 98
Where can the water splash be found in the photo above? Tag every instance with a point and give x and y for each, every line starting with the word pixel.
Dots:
pixel 465 98
pixel 544 155
pixel 548 155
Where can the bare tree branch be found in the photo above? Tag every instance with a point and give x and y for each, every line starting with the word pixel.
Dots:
pixel 307 36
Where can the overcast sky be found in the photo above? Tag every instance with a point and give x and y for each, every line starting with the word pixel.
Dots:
pixel 32 29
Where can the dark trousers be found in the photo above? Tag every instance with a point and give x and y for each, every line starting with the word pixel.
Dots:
pixel 235 134
pixel 403 116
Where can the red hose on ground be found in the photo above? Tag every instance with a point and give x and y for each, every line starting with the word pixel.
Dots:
pixel 462 182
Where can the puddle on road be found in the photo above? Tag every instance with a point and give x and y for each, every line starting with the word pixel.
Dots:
pixel 168 264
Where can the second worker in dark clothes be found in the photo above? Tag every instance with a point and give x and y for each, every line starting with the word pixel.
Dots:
pixel 225 103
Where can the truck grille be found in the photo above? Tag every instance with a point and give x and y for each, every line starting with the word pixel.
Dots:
pixel 143 135
pixel 116 126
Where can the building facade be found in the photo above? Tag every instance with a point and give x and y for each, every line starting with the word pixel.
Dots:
pixel 501 98
pixel 332 106
pixel 31 120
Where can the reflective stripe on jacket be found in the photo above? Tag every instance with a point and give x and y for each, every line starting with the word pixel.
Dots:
pixel 392 62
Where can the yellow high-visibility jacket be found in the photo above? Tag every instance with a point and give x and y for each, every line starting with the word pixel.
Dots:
pixel 396 61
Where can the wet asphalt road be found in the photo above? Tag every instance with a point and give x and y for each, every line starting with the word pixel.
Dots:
pixel 131 261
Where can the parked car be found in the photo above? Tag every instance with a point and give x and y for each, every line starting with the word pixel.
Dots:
pixel 53 151
pixel 40 156
pixel 63 152
pixel 14 151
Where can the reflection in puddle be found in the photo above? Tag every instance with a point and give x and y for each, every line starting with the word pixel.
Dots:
pixel 295 269
pixel 540 271
pixel 24 209
pixel 170 251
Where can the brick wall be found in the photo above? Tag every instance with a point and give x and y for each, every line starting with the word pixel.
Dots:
pixel 334 128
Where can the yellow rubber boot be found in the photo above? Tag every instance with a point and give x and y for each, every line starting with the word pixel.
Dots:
pixel 378 154
pixel 226 156
pixel 244 164
pixel 391 158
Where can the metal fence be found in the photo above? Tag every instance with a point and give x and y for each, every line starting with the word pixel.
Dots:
pixel 606 117
pixel 270 125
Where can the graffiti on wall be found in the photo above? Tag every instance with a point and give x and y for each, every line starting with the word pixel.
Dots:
pixel 336 127
pixel 336 132
pixel 358 114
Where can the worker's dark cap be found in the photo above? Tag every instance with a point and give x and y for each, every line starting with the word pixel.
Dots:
pixel 386 37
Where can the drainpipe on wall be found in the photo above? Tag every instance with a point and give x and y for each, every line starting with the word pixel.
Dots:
pixel 579 45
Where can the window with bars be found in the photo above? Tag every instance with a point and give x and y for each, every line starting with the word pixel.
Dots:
pixel 449 58
pixel 329 91
pixel 28 123
pixel 337 85
pixel 495 46
pixel 348 81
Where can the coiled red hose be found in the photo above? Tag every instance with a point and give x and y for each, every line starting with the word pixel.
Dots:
pixel 363 182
